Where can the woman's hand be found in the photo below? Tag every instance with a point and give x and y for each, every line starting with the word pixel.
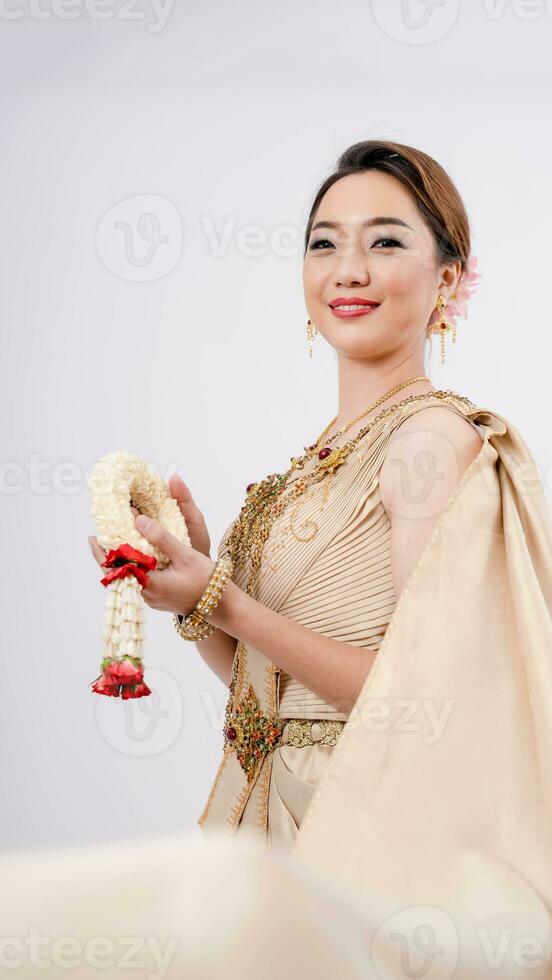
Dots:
pixel 178 587
pixel 195 522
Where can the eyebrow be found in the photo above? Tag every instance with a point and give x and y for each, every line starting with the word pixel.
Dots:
pixel 365 224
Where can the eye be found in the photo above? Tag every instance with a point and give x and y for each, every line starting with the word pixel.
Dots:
pixel 390 241
pixel 321 241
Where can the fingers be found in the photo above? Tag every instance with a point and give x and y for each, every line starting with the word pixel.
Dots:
pixel 99 553
pixel 156 534
pixel 181 493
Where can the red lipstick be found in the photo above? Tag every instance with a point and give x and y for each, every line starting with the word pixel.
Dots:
pixel 339 306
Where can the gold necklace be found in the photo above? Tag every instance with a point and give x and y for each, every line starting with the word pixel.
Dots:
pixel 299 462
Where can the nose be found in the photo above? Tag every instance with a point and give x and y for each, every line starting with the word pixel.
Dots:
pixel 352 270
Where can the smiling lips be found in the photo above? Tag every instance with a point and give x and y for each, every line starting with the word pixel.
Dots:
pixel 345 307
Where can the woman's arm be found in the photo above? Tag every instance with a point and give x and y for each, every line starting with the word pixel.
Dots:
pixel 217 650
pixel 334 670
pixel 426 457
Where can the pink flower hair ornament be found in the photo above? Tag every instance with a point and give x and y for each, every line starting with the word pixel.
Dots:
pixel 467 283
pixel 446 315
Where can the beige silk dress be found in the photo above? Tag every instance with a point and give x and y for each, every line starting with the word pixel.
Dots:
pixel 423 851
pixel 327 565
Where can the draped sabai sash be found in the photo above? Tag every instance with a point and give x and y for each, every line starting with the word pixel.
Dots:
pixel 440 788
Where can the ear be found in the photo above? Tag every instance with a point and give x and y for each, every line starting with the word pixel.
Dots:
pixel 450 277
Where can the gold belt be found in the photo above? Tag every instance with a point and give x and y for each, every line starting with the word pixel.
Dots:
pixel 303 731
pixel 251 734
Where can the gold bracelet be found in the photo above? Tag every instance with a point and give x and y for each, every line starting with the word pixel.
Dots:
pixel 195 626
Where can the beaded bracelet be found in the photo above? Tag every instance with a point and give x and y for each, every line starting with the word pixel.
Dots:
pixel 194 626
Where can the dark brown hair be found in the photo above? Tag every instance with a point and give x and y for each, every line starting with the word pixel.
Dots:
pixel 431 188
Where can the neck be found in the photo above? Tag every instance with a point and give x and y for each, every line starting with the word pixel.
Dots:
pixel 361 383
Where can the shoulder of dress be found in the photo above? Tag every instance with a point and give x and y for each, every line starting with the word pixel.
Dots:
pixel 443 396
pixel 403 415
pixel 488 423
pixel 392 416
pixel 381 428
pixel 435 431
pixel 481 417
pixel 440 422
pixel 458 413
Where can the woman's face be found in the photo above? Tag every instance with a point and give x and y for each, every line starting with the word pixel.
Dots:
pixel 391 262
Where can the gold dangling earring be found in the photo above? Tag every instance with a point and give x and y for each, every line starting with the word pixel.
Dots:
pixel 442 325
pixel 311 334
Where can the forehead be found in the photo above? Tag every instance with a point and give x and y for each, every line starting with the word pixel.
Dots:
pixel 356 197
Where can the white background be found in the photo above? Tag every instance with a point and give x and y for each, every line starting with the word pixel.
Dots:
pixel 228 116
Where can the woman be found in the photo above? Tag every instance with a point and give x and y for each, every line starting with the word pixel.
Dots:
pixel 402 497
